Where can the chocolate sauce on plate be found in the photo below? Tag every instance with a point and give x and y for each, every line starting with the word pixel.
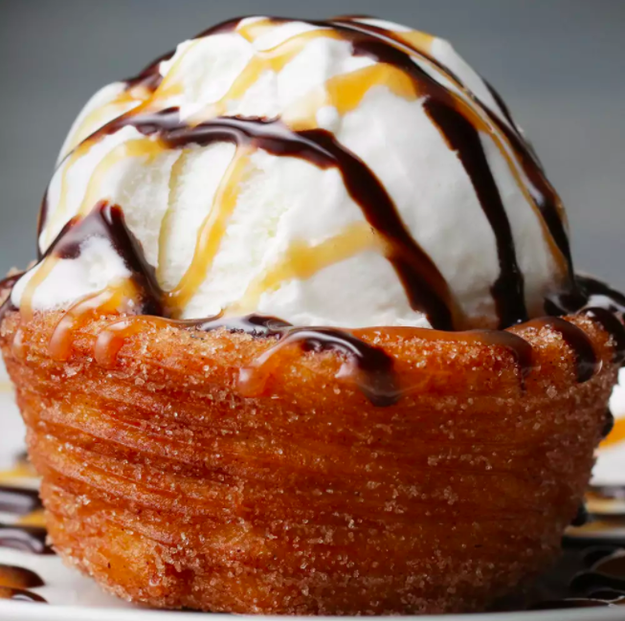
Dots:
pixel 27 538
pixel 21 595
pixel 19 577
pixel 18 500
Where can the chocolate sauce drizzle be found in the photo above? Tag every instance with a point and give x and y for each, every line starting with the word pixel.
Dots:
pixel 14 581
pixel 6 285
pixel 425 286
pixel 19 577
pixel 26 538
pixel 150 78
pixel 21 595
pixel 508 289
pixel 375 375
pixel 598 301
pixel 589 292
pixel 586 360
pixel 18 500
pixel 107 221
pixel 612 326
pixel 609 424
pixel 601 581
pixel 254 325
pixel 378 381
pixel 383 46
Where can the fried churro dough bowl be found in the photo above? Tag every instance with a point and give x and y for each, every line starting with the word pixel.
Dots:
pixel 174 483
pixel 246 465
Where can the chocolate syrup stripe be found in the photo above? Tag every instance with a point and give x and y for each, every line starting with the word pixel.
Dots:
pixel 348 22
pixel 379 381
pixel 21 501
pixel 586 360
pixel 6 285
pixel 462 137
pixel 376 376
pixel 601 303
pixel 543 192
pixel 26 538
pixel 508 116
pixel 21 595
pixel 15 577
pixel 107 221
pixel 426 288
pixel 597 294
pixel 508 289
pixel 18 500
pixel 612 326
pixel 150 77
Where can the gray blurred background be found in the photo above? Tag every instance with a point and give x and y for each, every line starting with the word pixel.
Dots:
pixel 560 64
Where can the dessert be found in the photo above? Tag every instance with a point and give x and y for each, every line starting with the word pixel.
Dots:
pixel 305 334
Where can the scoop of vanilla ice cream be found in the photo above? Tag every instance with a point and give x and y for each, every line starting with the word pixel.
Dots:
pixel 282 205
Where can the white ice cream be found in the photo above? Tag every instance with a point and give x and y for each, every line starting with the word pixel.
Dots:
pixel 284 201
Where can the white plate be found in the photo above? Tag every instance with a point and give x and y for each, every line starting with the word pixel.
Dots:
pixel 73 597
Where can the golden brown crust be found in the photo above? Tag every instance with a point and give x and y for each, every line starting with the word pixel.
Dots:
pixel 168 487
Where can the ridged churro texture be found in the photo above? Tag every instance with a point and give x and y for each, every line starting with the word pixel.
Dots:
pixel 169 488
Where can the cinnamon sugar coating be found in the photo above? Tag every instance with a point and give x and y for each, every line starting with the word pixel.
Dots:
pixel 170 488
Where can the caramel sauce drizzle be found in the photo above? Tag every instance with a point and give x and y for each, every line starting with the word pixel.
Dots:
pixel 21 595
pixel 345 93
pixel 274 60
pixel 36 518
pixel 427 289
pixel 114 336
pixel 302 260
pixel 22 470
pixel 111 300
pixel 29 535
pixel 13 577
pixel 616 435
pixel 37 278
pixel 142 147
pixel 210 233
